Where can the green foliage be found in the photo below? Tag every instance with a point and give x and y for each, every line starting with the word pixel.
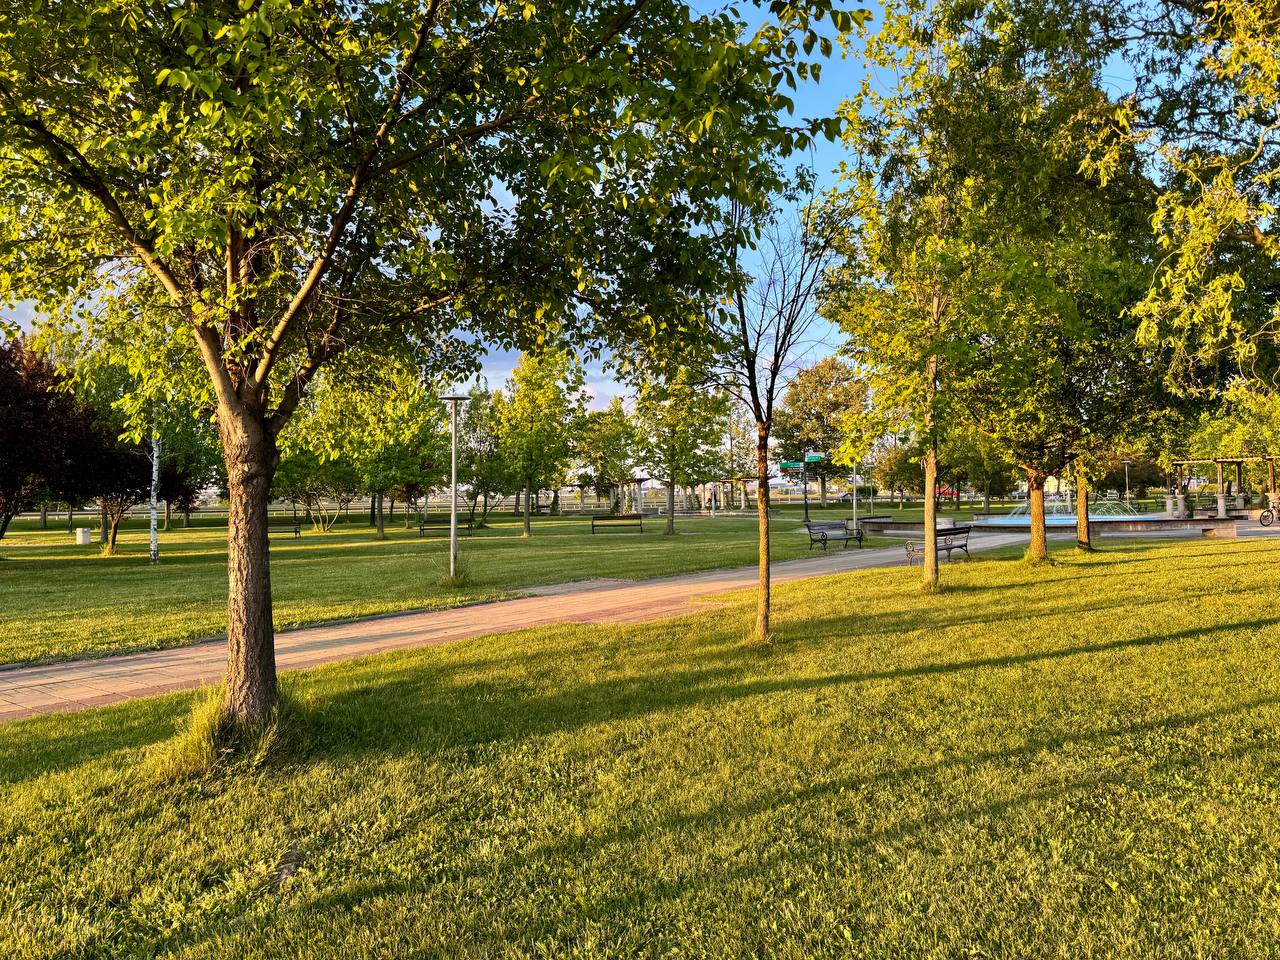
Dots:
pixel 538 416
pixel 482 469
pixel 254 191
pixel 681 424
pixel 817 403
pixel 607 447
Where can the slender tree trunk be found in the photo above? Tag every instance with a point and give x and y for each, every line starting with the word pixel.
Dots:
pixel 671 508
pixel 822 489
pixel 391 512
pixel 186 518
pixel 102 524
pixel 1039 547
pixel 251 458
pixel 555 504
pixel 986 496
pixel 528 526
pixel 168 514
pixel 44 515
pixel 762 525
pixel 382 527
pixel 930 463
pixel 71 518
pixel 373 509
pixel 5 520
pixel 1082 510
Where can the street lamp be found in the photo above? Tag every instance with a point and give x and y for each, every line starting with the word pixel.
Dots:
pixel 453 399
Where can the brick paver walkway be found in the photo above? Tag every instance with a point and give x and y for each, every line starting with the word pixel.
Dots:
pixel 75 685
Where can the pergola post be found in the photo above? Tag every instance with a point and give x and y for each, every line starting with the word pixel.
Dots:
pixel 1239 484
pixel 1222 493
pixel 1271 482
pixel 1180 499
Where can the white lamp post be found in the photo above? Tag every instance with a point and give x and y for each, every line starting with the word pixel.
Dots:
pixel 453 399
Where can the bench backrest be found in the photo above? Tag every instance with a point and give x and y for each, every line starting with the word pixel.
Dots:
pixel 617 516
pixel 819 526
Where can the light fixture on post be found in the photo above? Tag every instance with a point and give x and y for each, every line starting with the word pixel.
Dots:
pixel 453 399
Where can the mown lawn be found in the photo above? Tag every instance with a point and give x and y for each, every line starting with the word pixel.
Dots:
pixel 1070 761
pixel 58 600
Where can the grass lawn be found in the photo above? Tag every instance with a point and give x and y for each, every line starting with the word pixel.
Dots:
pixel 62 601
pixel 1078 760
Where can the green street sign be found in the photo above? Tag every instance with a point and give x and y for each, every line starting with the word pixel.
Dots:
pixel 791 464
pixel 814 457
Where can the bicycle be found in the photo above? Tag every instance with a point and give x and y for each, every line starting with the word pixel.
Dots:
pixel 1267 516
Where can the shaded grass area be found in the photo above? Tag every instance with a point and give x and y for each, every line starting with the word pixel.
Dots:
pixel 1077 760
pixel 63 601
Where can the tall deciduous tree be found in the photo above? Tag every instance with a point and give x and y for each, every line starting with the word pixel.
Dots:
pixel 538 416
pixel 816 403
pixel 907 258
pixel 681 425
pixel 482 468
pixel 288 181
pixel 607 448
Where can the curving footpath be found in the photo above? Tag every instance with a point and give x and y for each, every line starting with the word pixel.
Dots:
pixel 80 684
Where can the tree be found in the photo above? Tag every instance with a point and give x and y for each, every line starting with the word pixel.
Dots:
pixel 896 468
pixel 906 257
pixel 537 419
pixel 607 445
pixel 482 468
pixel 978 461
pixel 42 433
pixel 814 408
pixel 680 425
pixel 244 194
pixel 120 472
pixel 762 337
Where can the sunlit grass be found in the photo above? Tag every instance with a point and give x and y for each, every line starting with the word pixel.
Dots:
pixel 60 600
pixel 1077 760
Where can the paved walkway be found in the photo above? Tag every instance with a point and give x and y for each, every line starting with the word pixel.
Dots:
pixel 75 685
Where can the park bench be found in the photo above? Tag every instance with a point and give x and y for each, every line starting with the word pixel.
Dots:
pixel 949 539
pixel 823 532
pixel 442 523
pixel 615 521
pixel 284 526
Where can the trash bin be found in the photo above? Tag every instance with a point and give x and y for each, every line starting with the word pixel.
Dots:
pixel 84 536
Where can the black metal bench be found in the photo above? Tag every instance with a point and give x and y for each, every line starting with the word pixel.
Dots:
pixel 284 526
pixel 616 521
pixel 949 539
pixel 442 523
pixel 823 532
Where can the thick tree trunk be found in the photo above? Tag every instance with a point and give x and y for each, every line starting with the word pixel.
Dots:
pixel 555 504
pixel 373 509
pixel 5 520
pixel 102 524
pixel 762 526
pixel 168 514
pixel 528 526
pixel 930 463
pixel 822 489
pixel 381 518
pixel 251 458
pixel 671 508
pixel 1082 510
pixel 1039 548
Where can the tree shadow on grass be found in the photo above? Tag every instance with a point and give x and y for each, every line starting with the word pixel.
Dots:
pixel 560 919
